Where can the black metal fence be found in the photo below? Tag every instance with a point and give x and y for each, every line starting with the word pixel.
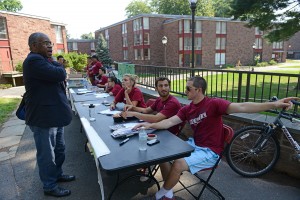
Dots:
pixel 235 86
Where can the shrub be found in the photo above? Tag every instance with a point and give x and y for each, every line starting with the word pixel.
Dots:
pixel 262 64
pixel 75 60
pixel 272 62
pixel 5 86
pixel 19 66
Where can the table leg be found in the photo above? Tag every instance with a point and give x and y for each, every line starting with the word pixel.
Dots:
pixel 99 178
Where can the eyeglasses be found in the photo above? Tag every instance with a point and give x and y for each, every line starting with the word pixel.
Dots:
pixel 188 88
pixel 47 43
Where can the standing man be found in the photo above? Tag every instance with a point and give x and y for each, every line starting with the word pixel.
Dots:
pixel 164 107
pixel 47 112
pixel 204 114
pixel 96 65
pixel 60 59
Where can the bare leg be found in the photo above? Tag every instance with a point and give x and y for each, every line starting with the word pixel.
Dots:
pixel 165 169
pixel 173 177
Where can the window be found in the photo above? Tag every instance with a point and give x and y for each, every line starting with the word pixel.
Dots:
pixel 180 26
pixel 137 39
pixel 220 43
pixel 3 32
pixel 180 60
pixel 258 43
pixel 187 26
pixel 58 33
pixel 180 43
pixel 92 46
pixel 146 23
pixel 147 54
pixel 198 59
pixel 198 41
pixel 146 39
pixel 187 43
pixel 137 24
pixel 258 32
pixel 70 46
pixel 75 48
pixel 138 54
pixel 125 54
pixel 187 60
pixel 198 28
pixel 220 59
pixel 124 28
pixel 125 43
pixel 221 28
pixel 107 38
pixel 277 45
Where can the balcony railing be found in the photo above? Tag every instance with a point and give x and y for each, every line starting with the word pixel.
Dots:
pixel 235 86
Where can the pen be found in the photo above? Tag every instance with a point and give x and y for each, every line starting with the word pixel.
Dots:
pixel 124 141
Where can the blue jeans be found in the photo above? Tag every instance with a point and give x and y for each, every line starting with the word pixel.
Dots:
pixel 50 146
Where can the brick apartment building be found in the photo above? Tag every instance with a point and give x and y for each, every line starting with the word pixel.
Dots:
pixel 218 41
pixel 84 46
pixel 15 29
pixel 293 47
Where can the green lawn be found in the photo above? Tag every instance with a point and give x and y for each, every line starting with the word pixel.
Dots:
pixel 7 106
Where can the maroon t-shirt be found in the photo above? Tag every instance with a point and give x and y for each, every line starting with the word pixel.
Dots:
pixel 95 67
pixel 102 81
pixel 134 95
pixel 115 90
pixel 205 119
pixel 168 108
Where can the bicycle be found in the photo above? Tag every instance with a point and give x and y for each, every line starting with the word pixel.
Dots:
pixel 254 150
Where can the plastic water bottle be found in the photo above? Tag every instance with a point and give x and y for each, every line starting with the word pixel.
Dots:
pixel 142 139
pixel 92 112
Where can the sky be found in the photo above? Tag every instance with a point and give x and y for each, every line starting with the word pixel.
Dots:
pixel 80 16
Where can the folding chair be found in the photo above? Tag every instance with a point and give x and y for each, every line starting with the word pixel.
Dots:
pixel 228 134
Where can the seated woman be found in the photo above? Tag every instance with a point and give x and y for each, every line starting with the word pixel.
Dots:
pixel 101 78
pixel 129 94
pixel 113 86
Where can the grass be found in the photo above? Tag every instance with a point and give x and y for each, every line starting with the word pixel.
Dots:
pixel 7 106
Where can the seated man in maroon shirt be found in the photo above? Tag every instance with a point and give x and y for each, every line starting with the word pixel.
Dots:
pixel 96 65
pixel 164 107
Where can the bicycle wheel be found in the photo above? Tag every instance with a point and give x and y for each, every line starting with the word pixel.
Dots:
pixel 246 158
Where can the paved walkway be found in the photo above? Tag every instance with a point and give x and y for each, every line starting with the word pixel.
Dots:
pixel 11 131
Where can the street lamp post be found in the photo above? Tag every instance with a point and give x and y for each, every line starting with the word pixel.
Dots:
pixel 193 8
pixel 164 41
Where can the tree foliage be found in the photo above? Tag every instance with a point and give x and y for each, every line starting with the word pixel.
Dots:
pixel 74 60
pixel 222 8
pixel 172 7
pixel 89 36
pixel 136 7
pixel 11 5
pixel 103 52
pixel 281 17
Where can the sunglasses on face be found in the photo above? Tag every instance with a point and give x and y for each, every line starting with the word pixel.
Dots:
pixel 188 88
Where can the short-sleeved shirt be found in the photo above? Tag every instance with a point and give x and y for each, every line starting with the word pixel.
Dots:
pixel 205 119
pixel 134 95
pixel 102 81
pixel 115 90
pixel 89 70
pixel 95 67
pixel 168 108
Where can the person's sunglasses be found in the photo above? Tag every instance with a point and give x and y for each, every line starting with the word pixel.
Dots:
pixel 188 88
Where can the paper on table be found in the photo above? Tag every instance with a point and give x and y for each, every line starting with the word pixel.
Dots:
pixel 109 112
pixel 102 95
pixel 97 143
pixel 72 91
pixel 84 89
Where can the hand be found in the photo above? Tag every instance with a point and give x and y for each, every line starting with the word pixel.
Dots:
pixel 127 114
pixel 145 125
pixel 127 90
pixel 128 107
pixel 286 102
pixel 112 106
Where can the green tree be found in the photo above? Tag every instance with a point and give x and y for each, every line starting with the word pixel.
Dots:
pixel 222 8
pixel 102 51
pixel 136 7
pixel 182 7
pixel 74 60
pixel 87 36
pixel 280 18
pixel 11 5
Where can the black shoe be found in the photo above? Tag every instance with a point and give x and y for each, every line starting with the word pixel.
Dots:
pixel 58 192
pixel 66 178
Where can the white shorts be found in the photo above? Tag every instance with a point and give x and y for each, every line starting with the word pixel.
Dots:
pixel 201 158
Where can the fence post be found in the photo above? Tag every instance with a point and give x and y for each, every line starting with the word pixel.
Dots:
pixel 248 86
pixel 240 87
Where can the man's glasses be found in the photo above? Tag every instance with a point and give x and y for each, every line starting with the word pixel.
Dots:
pixel 47 43
pixel 188 88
